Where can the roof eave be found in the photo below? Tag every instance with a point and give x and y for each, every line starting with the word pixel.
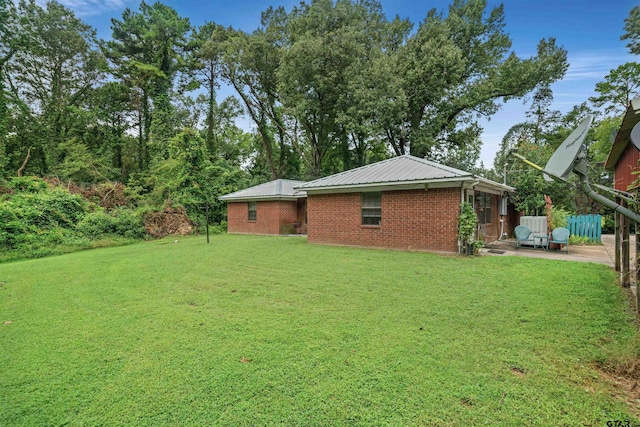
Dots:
pixel 395 184
pixel 262 198
pixel 490 183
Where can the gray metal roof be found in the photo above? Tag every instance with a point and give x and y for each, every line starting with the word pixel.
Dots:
pixel 404 169
pixel 278 189
pixel 397 169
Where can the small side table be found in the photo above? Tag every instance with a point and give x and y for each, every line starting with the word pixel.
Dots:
pixel 544 241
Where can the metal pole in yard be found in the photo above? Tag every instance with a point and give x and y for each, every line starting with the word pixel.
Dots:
pixel 637 268
pixel 206 209
pixel 625 250
pixel 616 232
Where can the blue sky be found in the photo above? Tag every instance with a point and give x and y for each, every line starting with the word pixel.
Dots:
pixel 590 30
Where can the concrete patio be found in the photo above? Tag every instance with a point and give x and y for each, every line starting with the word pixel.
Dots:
pixel 601 254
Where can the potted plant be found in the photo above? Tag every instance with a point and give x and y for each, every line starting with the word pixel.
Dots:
pixel 467 224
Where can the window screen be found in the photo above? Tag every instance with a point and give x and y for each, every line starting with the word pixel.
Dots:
pixel 371 208
pixel 253 211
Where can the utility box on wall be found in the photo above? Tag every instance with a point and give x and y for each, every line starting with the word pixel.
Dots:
pixel 503 205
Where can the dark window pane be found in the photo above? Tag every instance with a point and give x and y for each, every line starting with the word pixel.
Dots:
pixel 253 211
pixel 371 208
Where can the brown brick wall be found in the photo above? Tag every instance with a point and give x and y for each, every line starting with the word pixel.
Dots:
pixel 411 219
pixel 277 217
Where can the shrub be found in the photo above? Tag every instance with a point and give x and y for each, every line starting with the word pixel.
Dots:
pixel 558 218
pixel 123 223
pixel 27 184
pixel 129 224
pixel 97 224
pixel 582 241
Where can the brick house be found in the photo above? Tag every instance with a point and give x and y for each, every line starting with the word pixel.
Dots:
pixel 271 208
pixel 405 203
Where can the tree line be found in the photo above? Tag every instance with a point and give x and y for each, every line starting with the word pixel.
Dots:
pixel 327 86
pixel 545 129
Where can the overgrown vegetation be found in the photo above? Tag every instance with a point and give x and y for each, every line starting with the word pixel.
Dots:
pixel 37 219
pixel 164 333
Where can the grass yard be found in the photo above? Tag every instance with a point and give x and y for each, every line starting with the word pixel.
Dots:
pixel 256 330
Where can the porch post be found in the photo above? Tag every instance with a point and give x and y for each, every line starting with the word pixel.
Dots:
pixel 637 267
pixel 625 222
pixel 616 233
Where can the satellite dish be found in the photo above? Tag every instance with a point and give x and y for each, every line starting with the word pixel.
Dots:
pixel 561 162
pixel 635 136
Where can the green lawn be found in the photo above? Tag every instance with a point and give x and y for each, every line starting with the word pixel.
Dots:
pixel 272 331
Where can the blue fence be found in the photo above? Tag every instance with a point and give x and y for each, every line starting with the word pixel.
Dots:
pixel 589 226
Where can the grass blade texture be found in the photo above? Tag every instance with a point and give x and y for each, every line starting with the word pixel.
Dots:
pixel 254 330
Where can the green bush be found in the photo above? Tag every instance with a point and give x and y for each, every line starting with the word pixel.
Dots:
pixel 27 184
pixel 124 223
pixel 97 224
pixel 129 224
pixel 558 218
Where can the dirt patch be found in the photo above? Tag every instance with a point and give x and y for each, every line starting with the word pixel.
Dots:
pixel 169 221
pixel 518 372
pixel 626 379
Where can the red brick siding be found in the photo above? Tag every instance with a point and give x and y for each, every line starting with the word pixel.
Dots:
pixel 627 163
pixel 411 219
pixel 275 217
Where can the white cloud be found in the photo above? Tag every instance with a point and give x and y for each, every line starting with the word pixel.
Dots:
pixel 595 65
pixel 93 7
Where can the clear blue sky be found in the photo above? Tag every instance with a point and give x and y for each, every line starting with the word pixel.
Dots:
pixel 590 30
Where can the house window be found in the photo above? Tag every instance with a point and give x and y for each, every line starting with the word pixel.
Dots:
pixel 483 207
pixel 253 211
pixel 371 208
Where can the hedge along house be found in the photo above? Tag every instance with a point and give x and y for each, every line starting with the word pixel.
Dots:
pixel 271 208
pixel 405 203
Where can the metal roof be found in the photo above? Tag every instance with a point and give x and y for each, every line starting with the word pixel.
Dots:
pixel 404 169
pixel 279 189
pixel 623 137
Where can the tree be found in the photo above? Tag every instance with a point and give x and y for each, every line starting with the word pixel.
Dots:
pixel 52 73
pixel 458 67
pixel 632 30
pixel 250 65
pixel 619 87
pixel 111 110
pixel 187 177
pixel 326 45
pixel 148 49
pixel 209 52
pixel 9 44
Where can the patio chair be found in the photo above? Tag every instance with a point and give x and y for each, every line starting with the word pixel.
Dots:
pixel 560 236
pixel 523 234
